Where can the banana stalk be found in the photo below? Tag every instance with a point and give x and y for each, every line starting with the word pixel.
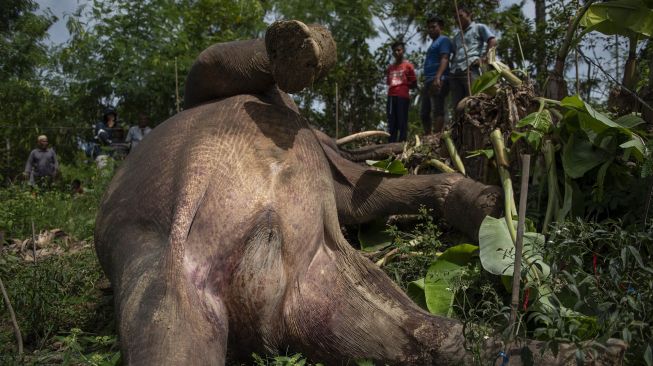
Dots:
pixel 500 154
pixel 502 68
pixel 453 154
pixel 441 166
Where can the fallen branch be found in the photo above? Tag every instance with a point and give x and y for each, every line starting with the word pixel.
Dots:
pixel 387 257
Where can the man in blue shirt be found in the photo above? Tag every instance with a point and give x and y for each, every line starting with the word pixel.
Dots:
pixel 469 51
pixel 436 70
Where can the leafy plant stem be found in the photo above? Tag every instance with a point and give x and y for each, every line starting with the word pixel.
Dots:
pixel 547 100
pixel 516 278
pixel 453 153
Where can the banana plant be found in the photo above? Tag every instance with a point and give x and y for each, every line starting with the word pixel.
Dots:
pixel 629 18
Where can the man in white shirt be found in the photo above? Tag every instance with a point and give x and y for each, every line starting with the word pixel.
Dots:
pixel 137 133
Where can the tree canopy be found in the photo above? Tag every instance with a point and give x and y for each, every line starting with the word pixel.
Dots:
pixel 134 56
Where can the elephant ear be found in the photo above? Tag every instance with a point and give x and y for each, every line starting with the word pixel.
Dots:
pixel 348 170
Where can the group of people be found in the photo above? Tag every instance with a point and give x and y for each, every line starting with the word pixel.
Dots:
pixel 42 166
pixel 449 67
pixel 109 132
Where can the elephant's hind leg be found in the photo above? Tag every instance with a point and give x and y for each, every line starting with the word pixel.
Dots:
pixel 165 320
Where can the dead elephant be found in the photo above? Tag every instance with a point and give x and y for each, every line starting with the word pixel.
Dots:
pixel 221 231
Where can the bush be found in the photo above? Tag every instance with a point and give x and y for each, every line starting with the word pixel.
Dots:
pixel 56 294
pixel 54 208
pixel 604 271
pixel 57 297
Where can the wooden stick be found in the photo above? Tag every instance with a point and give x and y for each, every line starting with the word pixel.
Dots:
pixel 176 85
pixel 516 277
pixel 33 241
pixel 12 315
pixel 337 110
pixel 462 38
pixel 387 257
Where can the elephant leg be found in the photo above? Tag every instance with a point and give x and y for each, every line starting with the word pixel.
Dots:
pixel 164 319
pixel 292 56
pixel 363 194
pixel 299 53
pixel 364 315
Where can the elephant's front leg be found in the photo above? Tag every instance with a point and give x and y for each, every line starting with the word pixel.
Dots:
pixel 364 194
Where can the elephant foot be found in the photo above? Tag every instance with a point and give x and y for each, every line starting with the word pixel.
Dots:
pixel 299 54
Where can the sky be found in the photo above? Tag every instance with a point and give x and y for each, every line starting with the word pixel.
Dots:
pixel 58 33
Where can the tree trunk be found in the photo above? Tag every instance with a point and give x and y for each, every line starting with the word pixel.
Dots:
pixel 556 87
pixel 647 93
pixel 540 31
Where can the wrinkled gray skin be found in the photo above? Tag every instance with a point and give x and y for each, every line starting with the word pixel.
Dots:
pixel 221 232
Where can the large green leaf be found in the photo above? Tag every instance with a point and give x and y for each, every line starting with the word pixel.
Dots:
pixel 389 165
pixel 601 120
pixel 623 17
pixel 440 278
pixel 580 156
pixel 485 81
pixel 635 146
pixel 373 236
pixel 630 120
pixel 597 127
pixel 415 291
pixel 540 121
pixel 497 252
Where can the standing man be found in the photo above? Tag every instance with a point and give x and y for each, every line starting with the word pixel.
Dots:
pixel 400 77
pixel 470 51
pixel 42 165
pixel 137 133
pixel 436 71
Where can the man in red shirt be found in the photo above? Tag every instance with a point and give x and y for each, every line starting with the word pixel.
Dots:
pixel 400 77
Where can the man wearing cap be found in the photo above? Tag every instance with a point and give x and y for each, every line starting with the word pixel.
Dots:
pixel 42 165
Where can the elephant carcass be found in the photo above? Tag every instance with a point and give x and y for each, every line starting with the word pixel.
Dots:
pixel 221 232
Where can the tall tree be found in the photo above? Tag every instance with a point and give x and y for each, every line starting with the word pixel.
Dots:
pixel 26 103
pixel 356 75
pixel 540 36
pixel 131 54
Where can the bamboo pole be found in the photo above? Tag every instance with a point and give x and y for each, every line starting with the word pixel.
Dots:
pixel 519 243
pixel 12 315
pixel 33 241
pixel 462 39
pixel 176 86
pixel 552 182
pixel 337 110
